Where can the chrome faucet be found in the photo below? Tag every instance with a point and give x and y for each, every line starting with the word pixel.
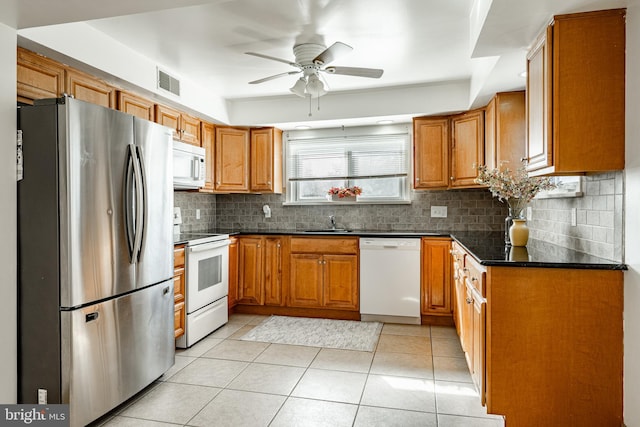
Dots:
pixel 332 220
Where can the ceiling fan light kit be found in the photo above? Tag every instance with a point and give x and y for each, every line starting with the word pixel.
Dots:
pixel 311 59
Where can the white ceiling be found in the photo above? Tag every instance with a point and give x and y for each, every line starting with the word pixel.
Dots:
pixel 480 44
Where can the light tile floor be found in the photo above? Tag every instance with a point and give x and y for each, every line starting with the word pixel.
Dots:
pixel 416 377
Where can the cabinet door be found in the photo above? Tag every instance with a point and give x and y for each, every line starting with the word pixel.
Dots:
pixel 436 277
pixel 38 77
pixel 431 152
pixel 340 281
pixel 208 141
pixel 266 160
pixel 273 271
pixel 170 118
pixel 232 160
pixel 178 284
pixel 178 320
pixel 250 259
pixel 189 129
pixel 479 327
pixel 135 105
pixel 233 272
pixel 87 88
pixel 539 139
pixel 510 130
pixel 467 148
pixel 305 284
pixel 466 338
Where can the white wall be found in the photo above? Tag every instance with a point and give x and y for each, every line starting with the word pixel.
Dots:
pixel 632 221
pixel 8 226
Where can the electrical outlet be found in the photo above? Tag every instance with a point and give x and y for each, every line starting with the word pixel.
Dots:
pixel 438 211
pixel 197 213
pixel 42 396
pixel 574 217
pixel 529 213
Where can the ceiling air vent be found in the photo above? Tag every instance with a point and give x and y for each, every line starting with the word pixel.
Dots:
pixel 168 82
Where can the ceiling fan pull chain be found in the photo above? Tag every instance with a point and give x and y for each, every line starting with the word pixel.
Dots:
pixel 318 103
pixel 309 105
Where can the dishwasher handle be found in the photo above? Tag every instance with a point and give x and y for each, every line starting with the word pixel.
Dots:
pixel 387 243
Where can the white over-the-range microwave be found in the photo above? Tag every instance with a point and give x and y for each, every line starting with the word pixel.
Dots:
pixel 188 166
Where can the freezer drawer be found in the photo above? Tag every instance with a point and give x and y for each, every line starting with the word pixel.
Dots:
pixel 119 346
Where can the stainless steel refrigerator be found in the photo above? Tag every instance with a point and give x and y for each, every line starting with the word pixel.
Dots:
pixel 96 304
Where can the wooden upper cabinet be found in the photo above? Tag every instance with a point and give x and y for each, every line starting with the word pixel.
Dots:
pixel 190 128
pixel 539 138
pixel 436 277
pixel 38 77
pixel 467 148
pixel 576 95
pixel 90 89
pixel 231 160
pixel 431 152
pixel 170 118
pixel 208 137
pixel 135 105
pixel 186 128
pixel 266 160
pixel 505 130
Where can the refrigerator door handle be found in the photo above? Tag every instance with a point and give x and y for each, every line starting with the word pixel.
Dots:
pixel 129 207
pixel 139 204
pixel 142 200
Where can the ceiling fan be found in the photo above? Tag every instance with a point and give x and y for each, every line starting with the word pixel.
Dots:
pixel 311 60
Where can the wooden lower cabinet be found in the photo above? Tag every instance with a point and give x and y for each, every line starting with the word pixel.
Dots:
pixel 324 273
pixel 179 282
pixel 435 277
pixel 260 272
pixel 544 346
pixel 305 283
pixel 232 297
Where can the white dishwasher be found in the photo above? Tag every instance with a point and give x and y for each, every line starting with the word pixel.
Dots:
pixel 390 279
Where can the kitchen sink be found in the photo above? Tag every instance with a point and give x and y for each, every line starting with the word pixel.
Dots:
pixel 329 230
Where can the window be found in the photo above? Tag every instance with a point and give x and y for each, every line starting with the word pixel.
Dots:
pixel 374 160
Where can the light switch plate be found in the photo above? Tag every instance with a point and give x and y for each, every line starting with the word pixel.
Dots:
pixel 197 213
pixel 177 216
pixel 438 211
pixel 574 217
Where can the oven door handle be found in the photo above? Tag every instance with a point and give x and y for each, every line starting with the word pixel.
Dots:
pixel 209 246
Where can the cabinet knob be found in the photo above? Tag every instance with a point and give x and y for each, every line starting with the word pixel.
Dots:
pixel 473 279
pixel 417 179
pixel 452 178
pixel 218 183
pixel 469 300
pixel 278 245
pixel 258 245
pixel 268 182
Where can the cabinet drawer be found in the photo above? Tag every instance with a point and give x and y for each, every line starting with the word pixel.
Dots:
pixel 475 274
pixel 178 284
pixel 178 256
pixel 325 245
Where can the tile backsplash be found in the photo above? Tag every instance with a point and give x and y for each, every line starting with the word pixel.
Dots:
pixel 189 202
pixel 598 230
pixel 599 218
pixel 466 210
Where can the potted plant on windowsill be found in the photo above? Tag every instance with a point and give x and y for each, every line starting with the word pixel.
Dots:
pixel 344 194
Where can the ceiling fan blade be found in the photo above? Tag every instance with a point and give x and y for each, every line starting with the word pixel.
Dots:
pixel 332 52
pixel 273 58
pixel 266 79
pixel 374 73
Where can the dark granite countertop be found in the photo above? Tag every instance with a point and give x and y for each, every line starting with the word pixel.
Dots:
pixel 487 247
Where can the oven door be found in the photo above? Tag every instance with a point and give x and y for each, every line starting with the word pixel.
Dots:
pixel 207 273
